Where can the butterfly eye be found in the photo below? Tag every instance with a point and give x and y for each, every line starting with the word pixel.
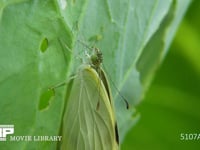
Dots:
pixel 96 58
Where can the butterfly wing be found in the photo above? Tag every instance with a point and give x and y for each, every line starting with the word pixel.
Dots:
pixel 84 126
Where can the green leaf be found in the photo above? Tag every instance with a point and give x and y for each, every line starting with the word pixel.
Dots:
pixel 171 106
pixel 26 71
pixel 29 64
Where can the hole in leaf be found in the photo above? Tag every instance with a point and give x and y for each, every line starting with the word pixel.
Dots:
pixel 45 99
pixel 44 45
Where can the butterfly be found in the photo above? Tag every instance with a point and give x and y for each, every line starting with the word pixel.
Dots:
pixel 89 119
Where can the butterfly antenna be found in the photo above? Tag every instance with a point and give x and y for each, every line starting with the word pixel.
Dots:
pixel 84 44
pixel 124 99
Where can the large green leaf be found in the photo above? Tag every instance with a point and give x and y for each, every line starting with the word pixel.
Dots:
pixel 171 106
pixel 36 43
pixel 27 71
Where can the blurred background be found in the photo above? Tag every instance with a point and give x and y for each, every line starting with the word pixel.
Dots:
pixel 172 103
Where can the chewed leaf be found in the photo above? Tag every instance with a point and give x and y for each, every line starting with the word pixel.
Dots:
pixel 45 99
pixel 84 126
pixel 44 45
